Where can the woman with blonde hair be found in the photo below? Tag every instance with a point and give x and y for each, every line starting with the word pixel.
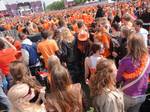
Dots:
pixel 65 45
pixel 133 73
pixel 26 94
pixel 64 96
pixel 106 97
pixel 67 35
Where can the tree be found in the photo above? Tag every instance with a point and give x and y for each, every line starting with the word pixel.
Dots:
pixel 58 5
pixel 79 1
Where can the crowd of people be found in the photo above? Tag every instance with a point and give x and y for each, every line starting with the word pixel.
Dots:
pixel 74 60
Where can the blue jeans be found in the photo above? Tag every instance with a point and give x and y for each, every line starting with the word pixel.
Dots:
pixel 133 104
pixel 7 82
pixel 4 84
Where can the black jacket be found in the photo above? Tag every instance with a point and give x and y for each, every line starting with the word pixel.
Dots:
pixel 100 13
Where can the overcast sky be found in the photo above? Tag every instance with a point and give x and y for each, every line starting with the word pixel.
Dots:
pixel 14 1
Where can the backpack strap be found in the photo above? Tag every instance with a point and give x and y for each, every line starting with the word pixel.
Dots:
pixel 136 80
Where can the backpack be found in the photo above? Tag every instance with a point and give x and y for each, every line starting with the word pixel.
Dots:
pixel 33 56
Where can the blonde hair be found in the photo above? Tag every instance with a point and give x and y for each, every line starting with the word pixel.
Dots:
pixel 52 61
pixel 127 17
pixel 136 47
pixel 104 77
pixel 126 31
pixel 66 35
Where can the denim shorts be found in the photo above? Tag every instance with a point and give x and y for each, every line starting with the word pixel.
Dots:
pixel 133 104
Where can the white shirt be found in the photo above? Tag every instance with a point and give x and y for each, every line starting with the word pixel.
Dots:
pixel 144 34
pixel 25 53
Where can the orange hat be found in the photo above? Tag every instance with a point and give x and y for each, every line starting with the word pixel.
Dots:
pixel 83 36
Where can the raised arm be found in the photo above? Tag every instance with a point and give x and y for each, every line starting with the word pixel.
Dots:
pixel 8 43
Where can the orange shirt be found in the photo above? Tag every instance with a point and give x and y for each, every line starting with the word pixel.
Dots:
pixel 6 57
pixel 105 40
pixel 20 28
pixel 7 27
pixel 47 48
pixel 75 28
pixel 46 26
pixel 17 44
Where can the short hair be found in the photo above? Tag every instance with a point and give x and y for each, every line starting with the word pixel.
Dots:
pixel 61 23
pixel 139 22
pixel 96 47
pixel 21 36
pixel 127 17
pixel 126 31
pixel 45 34
pixel 2 44
pixel 80 24
pixel 115 26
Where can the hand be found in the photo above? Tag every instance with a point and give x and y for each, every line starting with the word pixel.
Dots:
pixel 114 54
pixel 87 81
pixel 42 94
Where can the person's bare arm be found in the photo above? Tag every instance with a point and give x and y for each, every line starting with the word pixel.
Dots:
pixel 86 67
pixel 8 43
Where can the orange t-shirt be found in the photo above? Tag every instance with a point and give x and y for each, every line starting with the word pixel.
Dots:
pixel 75 28
pixel 104 39
pixel 20 28
pixel 17 44
pixel 6 57
pixel 46 26
pixel 8 26
pixel 47 48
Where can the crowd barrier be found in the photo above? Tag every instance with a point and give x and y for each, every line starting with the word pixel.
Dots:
pixel 12 33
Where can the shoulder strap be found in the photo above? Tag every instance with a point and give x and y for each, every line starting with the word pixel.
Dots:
pixel 136 80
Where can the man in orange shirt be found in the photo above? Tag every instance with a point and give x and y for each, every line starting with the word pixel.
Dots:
pixel 47 47
pixel 103 36
pixel 7 55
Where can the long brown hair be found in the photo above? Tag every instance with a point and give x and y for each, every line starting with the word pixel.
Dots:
pixel 104 77
pixel 66 101
pixel 21 73
pixel 136 47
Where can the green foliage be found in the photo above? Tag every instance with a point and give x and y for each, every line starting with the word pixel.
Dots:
pixel 58 5
pixel 91 109
pixel 79 1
